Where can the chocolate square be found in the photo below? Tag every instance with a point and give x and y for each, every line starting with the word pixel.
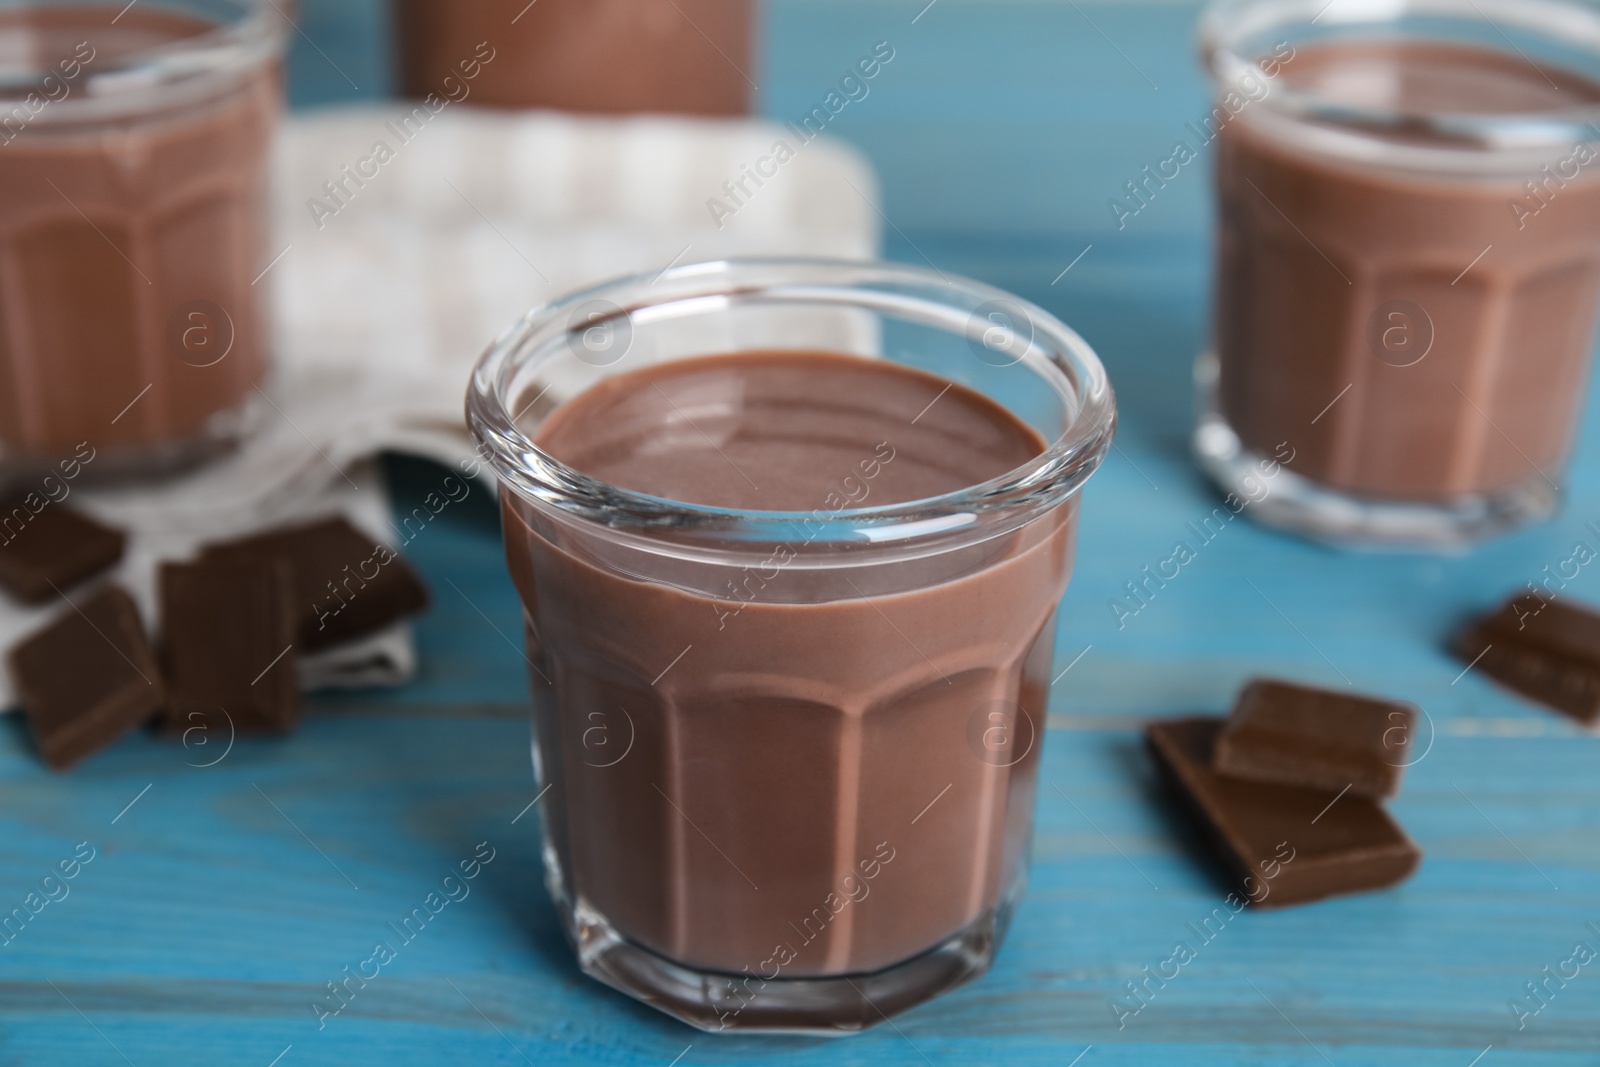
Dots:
pixel 1546 650
pixel 1281 844
pixel 228 635
pixel 46 552
pixel 346 585
pixel 1317 738
pixel 87 678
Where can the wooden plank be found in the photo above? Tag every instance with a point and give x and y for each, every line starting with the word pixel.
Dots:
pixel 224 898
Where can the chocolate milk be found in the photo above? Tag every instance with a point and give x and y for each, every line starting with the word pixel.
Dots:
pixel 824 770
pixel 611 56
pixel 1409 335
pixel 128 243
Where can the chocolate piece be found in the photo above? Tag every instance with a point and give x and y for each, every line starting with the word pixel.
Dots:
pixel 1281 844
pixel 87 678
pixel 1547 650
pixel 46 551
pixel 345 584
pixel 228 633
pixel 1317 739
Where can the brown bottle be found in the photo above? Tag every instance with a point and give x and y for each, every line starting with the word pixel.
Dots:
pixel 606 56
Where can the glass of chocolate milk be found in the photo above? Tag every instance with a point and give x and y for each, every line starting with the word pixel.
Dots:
pixel 790 538
pixel 607 56
pixel 1408 261
pixel 133 167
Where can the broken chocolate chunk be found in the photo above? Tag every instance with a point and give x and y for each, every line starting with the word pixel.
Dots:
pixel 46 551
pixel 87 678
pixel 1317 738
pixel 1281 844
pixel 1546 650
pixel 346 585
pixel 228 636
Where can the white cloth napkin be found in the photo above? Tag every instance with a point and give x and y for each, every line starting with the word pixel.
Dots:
pixel 384 296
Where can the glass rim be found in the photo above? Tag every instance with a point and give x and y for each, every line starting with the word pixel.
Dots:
pixel 1035 487
pixel 167 75
pixel 1227 27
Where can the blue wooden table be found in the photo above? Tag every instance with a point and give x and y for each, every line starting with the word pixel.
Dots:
pixel 220 900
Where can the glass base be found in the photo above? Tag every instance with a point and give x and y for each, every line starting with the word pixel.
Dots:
pixel 1301 506
pixel 819 1007
pixel 138 464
